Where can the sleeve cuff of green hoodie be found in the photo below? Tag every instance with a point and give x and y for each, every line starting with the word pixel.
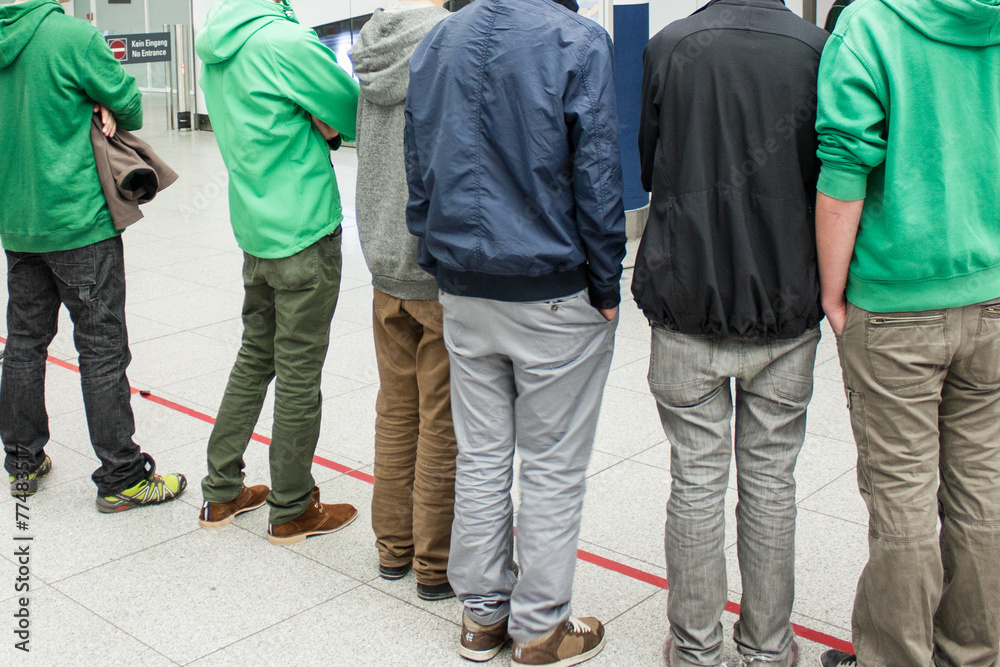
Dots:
pixel 843 185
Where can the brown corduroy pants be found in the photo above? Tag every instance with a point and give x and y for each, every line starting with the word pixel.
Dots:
pixel 414 497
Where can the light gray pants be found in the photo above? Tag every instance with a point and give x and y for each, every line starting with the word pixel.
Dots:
pixel 690 379
pixel 534 374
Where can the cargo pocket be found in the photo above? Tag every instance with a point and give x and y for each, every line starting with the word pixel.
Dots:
pixel 984 366
pixel 859 424
pixel 905 351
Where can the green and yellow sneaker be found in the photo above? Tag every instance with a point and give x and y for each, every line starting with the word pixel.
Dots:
pixel 21 485
pixel 154 490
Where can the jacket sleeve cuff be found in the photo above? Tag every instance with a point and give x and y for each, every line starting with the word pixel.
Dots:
pixel 843 185
pixel 605 299
pixel 336 142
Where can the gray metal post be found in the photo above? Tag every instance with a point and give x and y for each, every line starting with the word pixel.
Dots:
pixel 809 10
pixel 169 81
pixel 183 60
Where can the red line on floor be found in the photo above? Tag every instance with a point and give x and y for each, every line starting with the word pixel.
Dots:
pixel 586 556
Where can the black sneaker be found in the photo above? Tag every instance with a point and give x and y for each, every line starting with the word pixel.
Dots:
pixel 838 659
pixel 393 573
pixel 435 592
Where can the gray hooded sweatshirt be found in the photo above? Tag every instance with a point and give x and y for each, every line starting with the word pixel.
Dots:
pixel 382 62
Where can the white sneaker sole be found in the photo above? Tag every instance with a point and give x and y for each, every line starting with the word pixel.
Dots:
pixel 480 656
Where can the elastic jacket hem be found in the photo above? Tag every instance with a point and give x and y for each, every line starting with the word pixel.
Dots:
pixel 878 296
pixel 514 289
pixel 62 239
pixel 407 290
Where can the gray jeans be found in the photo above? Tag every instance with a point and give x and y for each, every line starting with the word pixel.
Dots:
pixel 690 376
pixel 924 392
pixel 534 374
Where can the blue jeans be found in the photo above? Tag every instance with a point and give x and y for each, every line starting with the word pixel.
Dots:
pixel 690 378
pixel 90 281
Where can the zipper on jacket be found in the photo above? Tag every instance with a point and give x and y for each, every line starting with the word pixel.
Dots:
pixel 890 320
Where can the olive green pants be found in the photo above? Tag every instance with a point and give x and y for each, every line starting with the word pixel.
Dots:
pixel 287 310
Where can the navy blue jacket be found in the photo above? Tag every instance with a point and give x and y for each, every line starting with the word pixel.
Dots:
pixel 512 154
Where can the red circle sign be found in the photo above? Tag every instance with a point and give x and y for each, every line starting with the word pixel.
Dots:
pixel 118 48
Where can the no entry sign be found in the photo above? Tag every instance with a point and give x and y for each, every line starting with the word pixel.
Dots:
pixel 118 49
pixel 152 47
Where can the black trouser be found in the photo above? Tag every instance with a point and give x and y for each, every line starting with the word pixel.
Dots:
pixel 90 281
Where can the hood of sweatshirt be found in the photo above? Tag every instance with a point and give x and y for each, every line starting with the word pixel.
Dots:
pixel 18 24
pixel 973 23
pixel 382 53
pixel 231 23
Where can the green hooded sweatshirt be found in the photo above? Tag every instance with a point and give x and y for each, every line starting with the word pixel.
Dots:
pixel 909 120
pixel 264 75
pixel 53 68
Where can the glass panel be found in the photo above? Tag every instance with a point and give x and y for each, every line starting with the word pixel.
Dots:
pixel 340 37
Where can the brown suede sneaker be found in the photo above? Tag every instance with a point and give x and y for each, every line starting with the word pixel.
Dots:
pixel 571 643
pixel 220 515
pixel 318 519
pixel 481 642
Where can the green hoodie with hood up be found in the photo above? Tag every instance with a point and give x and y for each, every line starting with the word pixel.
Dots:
pixel 53 68
pixel 909 120
pixel 264 75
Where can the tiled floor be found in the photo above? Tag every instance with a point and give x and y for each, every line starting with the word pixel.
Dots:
pixel 151 588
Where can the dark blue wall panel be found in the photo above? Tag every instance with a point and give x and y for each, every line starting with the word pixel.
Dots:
pixel 631 37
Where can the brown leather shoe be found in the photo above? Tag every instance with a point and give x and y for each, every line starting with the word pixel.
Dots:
pixel 318 519
pixel 220 515
pixel 571 643
pixel 480 643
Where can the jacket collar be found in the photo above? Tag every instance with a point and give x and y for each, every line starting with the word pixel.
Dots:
pixel 765 4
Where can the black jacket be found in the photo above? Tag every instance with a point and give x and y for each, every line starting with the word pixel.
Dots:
pixel 728 148
pixel 838 8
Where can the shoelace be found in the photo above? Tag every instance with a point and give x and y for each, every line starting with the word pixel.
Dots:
pixel 578 626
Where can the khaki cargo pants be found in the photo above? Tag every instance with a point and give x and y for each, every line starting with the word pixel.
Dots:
pixel 924 395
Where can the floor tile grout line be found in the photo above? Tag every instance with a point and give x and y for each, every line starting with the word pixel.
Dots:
pixel 191 532
pixel 830 437
pixel 831 516
pixel 276 623
pixel 846 629
pixel 54 583
pixel 640 463
pixel 624 555
pixel 413 604
pixel 802 631
pixel 798 503
pixel 122 630
pixel 661 442
pixel 310 558
pixel 642 601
